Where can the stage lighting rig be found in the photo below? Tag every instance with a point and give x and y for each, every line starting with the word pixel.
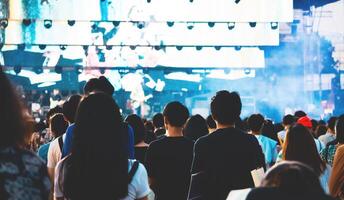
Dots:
pixel 170 24
pixel 48 23
pixel 211 24
pixel 231 25
pixel 71 22
pixel 190 25
pixel 253 24
pixel 42 46
pixel 3 23
pixel 274 25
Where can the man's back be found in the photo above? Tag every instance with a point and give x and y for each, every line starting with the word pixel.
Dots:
pixel 227 156
pixel 168 162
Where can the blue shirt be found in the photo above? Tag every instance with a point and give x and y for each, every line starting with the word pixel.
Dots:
pixel 43 152
pixel 269 148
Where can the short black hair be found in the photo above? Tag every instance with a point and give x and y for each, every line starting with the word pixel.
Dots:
pixel 331 123
pixel 288 120
pixel 210 122
pixel 58 124
pixel 51 112
pixel 176 114
pixel 226 107
pixel 158 120
pixel 101 84
pixel 139 129
pixel 70 107
pixel 299 114
pixel 255 122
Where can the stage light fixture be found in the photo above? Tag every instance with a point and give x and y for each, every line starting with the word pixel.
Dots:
pixel 108 47
pixel 116 23
pixel 27 22
pixel 42 46
pixel 48 23
pixel 231 25
pixel 218 48
pixel 211 24
pixel 71 22
pixel 148 1
pixel 3 23
pixel 179 48
pixel 190 25
pixel 102 71
pixel 63 47
pixel 252 24
pixel 237 48
pixel 237 1
pixel 274 25
pixel 17 69
pixel 58 69
pixel 170 24
pixel 198 48
pixel 38 70
pixel 21 47
pixel 157 48
pixel 85 47
pixel 140 25
pixel 132 47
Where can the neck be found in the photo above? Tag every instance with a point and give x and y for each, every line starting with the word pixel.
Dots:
pixel 141 144
pixel 174 132
pixel 222 126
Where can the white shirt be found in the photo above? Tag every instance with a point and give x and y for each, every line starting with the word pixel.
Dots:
pixel 137 188
pixel 328 137
pixel 54 153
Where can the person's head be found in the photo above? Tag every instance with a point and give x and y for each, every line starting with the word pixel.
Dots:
pixel 314 125
pixel 51 112
pixel 294 178
pixel 195 127
pixel 211 123
pixel 158 120
pixel 70 107
pixel 149 126
pixel 288 120
pixel 58 125
pixel 300 146
pixel 226 107
pixel 306 122
pixel 100 84
pixel 13 122
pixel 139 129
pixel 175 114
pixel 255 123
pixel 299 114
pixel 320 130
pixel 98 152
pixel 331 123
pixel 339 129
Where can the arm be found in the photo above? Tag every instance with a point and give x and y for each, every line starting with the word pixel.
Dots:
pixel 198 161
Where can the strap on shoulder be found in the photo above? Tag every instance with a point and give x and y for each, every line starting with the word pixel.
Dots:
pixel 133 171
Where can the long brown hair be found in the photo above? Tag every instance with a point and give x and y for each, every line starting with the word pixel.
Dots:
pixel 13 121
pixel 300 146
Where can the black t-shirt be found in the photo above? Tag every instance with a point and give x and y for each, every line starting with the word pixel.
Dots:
pixel 140 154
pixel 159 132
pixel 227 156
pixel 169 162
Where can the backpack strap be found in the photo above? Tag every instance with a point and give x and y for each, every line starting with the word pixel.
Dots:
pixel 60 140
pixel 133 171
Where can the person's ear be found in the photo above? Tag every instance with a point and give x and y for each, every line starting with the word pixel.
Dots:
pixel 166 123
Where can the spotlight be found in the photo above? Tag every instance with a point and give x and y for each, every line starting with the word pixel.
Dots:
pixel 140 25
pixel 38 70
pixel 190 25
pixel 237 48
pixel 63 47
pixel 3 23
pixel 231 25
pixel 148 1
pixel 108 47
pixel 211 24
pixel 218 48
pixel 21 47
pixel 132 47
pixel 85 47
pixel 157 48
pixel 198 48
pixel 48 23
pixel 71 22
pixel 102 71
pixel 252 24
pixel 274 25
pixel 17 69
pixel 170 24
pixel 191 1
pixel 58 69
pixel 237 1
pixel 116 23
pixel 42 46
pixel 179 48
pixel 26 22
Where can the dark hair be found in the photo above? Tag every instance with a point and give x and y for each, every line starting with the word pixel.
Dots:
pixel 210 122
pixel 158 120
pixel 100 84
pixel 331 123
pixel 320 130
pixel 268 130
pixel 288 120
pixel 314 125
pixel 70 107
pixel 300 146
pixel 12 118
pixel 176 114
pixel 139 129
pixel 51 112
pixel 226 107
pixel 195 127
pixel 58 124
pixel 255 122
pixel 149 126
pixel 97 167
pixel 293 178
pixel 340 129
pixel 299 114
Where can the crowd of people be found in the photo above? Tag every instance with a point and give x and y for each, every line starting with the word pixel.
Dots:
pixel 91 151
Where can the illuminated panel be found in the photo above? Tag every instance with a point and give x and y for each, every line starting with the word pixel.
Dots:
pixel 166 10
pixel 82 33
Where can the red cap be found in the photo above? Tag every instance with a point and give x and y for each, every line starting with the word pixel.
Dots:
pixel 305 121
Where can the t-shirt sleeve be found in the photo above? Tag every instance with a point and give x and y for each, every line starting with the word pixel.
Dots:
pixel 140 182
pixel 57 189
pixel 150 160
pixel 258 157
pixel 198 162
pixel 52 162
